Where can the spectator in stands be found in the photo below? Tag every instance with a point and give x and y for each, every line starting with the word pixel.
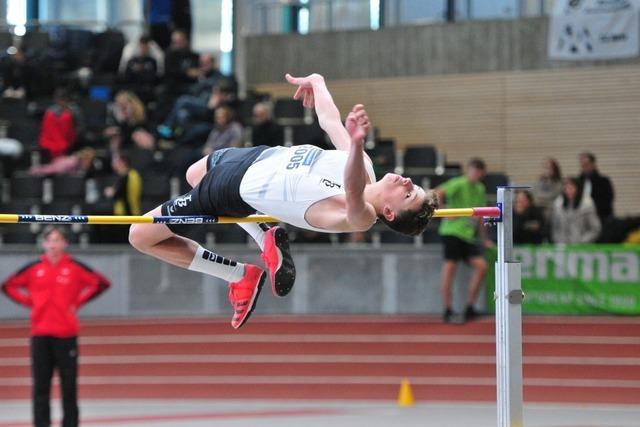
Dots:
pixel 128 124
pixel 60 127
pixel 166 15
pixel 459 235
pixel 126 194
pixel 528 220
pixel 54 288
pixel 226 133
pixel 122 198
pixel 141 71
pixel 596 186
pixel 181 64
pixel 223 94
pixel 136 48
pixel 264 130
pixel 16 75
pixel 548 187
pixel 574 218
pixel 195 104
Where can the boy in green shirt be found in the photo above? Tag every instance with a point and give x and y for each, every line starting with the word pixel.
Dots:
pixel 458 235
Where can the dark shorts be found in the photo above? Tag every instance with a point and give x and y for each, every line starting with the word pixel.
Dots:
pixel 459 250
pixel 218 193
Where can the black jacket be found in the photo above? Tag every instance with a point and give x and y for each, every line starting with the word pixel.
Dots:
pixel 601 193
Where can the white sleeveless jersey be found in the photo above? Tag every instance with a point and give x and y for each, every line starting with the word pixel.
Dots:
pixel 285 181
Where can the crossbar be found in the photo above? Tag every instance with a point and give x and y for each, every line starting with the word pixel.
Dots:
pixel 489 212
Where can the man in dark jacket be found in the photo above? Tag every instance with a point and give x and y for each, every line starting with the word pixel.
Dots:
pixel 54 287
pixel 597 186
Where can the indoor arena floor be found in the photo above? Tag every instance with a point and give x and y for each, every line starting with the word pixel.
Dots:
pixel 335 370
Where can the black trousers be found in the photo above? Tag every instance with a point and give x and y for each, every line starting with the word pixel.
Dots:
pixel 47 354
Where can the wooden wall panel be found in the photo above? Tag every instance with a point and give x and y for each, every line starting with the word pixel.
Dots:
pixel 512 119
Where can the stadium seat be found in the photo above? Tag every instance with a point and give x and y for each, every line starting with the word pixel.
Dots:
pixel 383 156
pixel 310 134
pixel 69 187
pixel 288 111
pixel 420 159
pixel 155 187
pixel 493 180
pixel 26 187
pixel 35 41
pixel 6 40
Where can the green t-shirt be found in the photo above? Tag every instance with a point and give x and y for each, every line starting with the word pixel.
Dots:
pixel 461 193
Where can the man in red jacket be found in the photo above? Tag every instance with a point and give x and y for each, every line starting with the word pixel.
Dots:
pixel 54 288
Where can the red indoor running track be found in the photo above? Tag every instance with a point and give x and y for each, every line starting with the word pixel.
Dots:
pixel 566 359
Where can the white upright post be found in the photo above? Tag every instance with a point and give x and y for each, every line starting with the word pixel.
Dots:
pixel 508 297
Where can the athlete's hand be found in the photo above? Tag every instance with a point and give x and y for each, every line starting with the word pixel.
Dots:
pixel 305 87
pixel 357 123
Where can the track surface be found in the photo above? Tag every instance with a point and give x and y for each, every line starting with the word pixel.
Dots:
pixel 566 359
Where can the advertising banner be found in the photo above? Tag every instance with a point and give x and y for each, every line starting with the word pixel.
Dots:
pixel 576 279
pixel 593 29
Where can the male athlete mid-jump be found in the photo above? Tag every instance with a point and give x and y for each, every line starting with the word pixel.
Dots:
pixel 330 191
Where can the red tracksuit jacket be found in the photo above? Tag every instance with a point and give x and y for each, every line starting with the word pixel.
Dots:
pixel 54 293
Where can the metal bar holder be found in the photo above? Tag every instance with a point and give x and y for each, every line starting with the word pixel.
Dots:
pixel 509 297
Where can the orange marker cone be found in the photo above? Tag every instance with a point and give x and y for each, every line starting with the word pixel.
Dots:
pixel 405 397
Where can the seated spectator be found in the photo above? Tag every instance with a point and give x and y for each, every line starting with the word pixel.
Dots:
pixel 135 47
pixel 181 64
pixel 128 124
pixel 17 75
pixel 223 94
pixel 127 192
pixel 141 71
pixel 60 127
pixel 227 131
pixel 574 218
pixel 596 185
pixel 123 198
pixel 264 130
pixel 194 106
pixel 528 221
pixel 548 187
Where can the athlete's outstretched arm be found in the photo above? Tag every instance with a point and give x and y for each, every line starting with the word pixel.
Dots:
pixel 312 89
pixel 314 93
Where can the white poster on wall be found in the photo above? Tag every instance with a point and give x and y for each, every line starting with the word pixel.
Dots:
pixel 594 29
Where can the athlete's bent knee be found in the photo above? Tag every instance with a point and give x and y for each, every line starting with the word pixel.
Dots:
pixel 194 174
pixel 137 237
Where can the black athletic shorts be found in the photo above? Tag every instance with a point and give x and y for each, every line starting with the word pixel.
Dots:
pixel 457 249
pixel 218 193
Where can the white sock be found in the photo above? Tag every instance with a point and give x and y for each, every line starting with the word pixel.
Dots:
pixel 213 264
pixel 254 231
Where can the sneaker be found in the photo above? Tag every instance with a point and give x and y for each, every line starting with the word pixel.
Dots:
pixel 470 313
pixel 243 295
pixel 164 131
pixel 277 258
pixel 447 316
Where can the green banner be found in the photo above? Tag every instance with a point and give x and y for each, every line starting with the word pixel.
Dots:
pixel 575 279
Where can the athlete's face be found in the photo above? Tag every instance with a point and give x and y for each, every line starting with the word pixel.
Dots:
pixel 54 244
pixel 401 194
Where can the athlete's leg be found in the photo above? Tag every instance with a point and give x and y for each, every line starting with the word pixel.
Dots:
pixel 272 242
pixel 160 242
pixel 196 171
pixel 245 281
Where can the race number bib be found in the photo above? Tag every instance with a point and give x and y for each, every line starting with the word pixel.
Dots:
pixel 301 160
